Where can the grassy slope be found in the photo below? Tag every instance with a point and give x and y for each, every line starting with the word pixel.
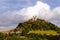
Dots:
pixel 39 27
pixel 33 31
pixel 42 32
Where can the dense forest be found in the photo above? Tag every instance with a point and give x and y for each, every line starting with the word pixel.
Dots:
pixel 33 30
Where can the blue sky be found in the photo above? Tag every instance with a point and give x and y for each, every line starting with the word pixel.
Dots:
pixel 13 12
pixel 11 5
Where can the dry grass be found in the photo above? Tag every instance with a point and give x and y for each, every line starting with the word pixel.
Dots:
pixel 42 32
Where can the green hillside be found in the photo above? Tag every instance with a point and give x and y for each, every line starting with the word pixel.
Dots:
pixel 39 24
pixel 33 30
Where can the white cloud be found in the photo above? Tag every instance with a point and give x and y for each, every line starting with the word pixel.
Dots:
pixel 41 10
pixel 56 16
pixel 37 10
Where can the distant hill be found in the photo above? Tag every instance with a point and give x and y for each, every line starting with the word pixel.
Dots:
pixel 39 24
pixel 35 30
